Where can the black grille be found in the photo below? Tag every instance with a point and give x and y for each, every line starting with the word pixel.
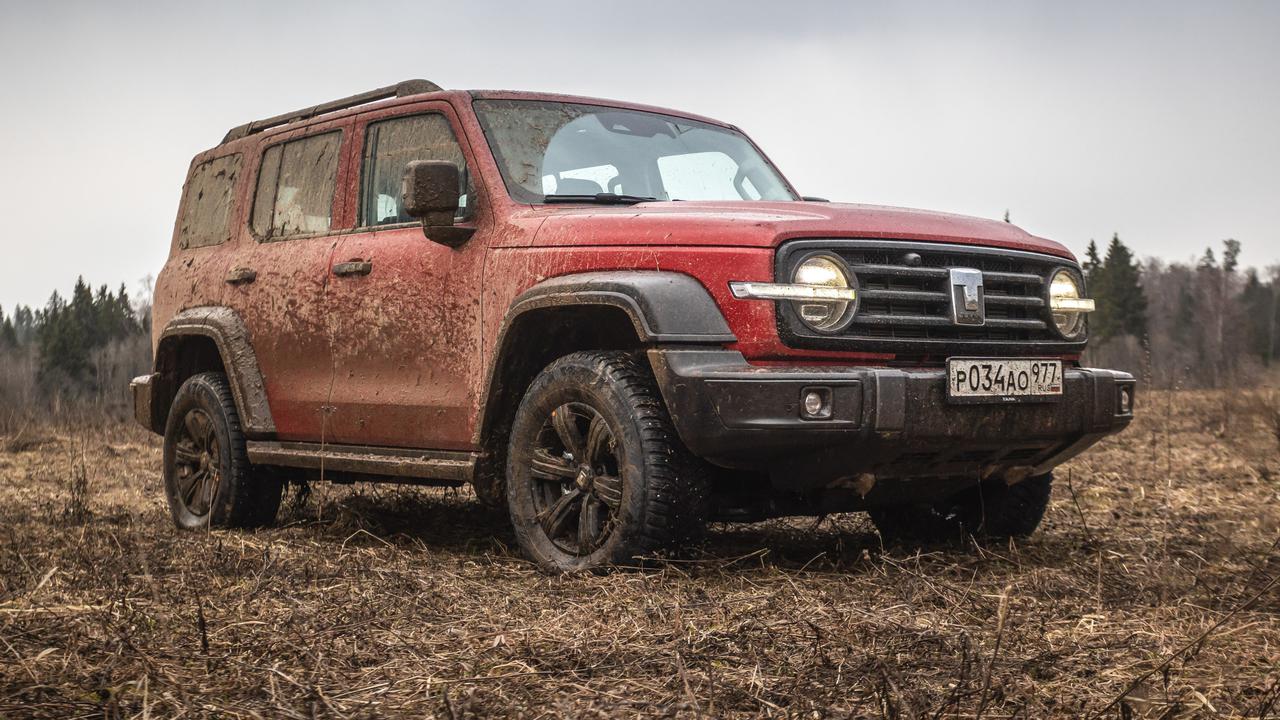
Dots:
pixel 905 301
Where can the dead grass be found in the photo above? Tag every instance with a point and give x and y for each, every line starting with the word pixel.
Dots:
pixel 1154 574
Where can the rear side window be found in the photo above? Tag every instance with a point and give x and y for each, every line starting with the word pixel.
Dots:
pixel 206 209
pixel 392 144
pixel 296 183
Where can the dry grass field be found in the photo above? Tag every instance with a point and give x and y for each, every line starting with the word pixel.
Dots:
pixel 1151 591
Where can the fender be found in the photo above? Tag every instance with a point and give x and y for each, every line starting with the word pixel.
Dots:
pixel 228 332
pixel 666 307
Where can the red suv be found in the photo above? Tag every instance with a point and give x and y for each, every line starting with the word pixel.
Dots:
pixel 620 321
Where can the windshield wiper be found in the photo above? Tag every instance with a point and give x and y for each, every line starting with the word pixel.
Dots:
pixel 603 198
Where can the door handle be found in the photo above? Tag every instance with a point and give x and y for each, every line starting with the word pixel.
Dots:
pixel 241 276
pixel 354 267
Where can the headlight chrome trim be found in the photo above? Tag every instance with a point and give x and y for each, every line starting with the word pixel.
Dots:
pixel 798 293
pixel 745 290
pixel 1078 305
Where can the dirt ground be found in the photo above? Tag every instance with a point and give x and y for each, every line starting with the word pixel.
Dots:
pixel 1154 573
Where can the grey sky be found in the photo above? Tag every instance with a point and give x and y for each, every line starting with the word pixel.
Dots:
pixel 1159 120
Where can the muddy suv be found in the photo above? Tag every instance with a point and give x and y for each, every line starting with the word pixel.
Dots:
pixel 618 321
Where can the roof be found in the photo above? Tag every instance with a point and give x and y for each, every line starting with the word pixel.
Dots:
pixel 408 88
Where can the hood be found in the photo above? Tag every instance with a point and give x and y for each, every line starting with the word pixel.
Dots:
pixel 767 224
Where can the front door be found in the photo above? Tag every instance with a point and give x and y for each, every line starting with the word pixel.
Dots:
pixel 405 311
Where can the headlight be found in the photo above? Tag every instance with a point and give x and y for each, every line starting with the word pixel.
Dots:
pixel 824 271
pixel 1066 307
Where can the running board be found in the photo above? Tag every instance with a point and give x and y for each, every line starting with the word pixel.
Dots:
pixel 394 462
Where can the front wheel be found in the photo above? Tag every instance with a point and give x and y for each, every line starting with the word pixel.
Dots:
pixel 991 509
pixel 595 473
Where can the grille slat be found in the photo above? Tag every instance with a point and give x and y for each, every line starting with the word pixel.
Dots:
pixel 909 295
pixel 935 321
pixel 902 271
pixel 1005 278
pixel 1031 301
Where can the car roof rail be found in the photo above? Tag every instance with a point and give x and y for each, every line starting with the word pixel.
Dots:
pixel 400 89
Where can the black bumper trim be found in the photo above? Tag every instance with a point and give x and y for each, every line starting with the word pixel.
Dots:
pixel 142 388
pixel 888 422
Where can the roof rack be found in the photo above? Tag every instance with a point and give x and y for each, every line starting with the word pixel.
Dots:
pixel 401 89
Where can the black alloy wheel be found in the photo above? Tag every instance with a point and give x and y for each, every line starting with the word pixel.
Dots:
pixel 578 485
pixel 197 461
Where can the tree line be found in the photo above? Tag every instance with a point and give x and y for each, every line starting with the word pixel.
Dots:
pixel 1209 323
pixel 78 351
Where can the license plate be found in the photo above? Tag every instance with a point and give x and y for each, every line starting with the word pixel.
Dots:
pixel 979 380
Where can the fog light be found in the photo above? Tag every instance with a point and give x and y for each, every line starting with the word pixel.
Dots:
pixel 1126 400
pixel 815 403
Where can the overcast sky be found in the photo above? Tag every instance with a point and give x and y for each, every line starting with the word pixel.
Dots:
pixel 1157 120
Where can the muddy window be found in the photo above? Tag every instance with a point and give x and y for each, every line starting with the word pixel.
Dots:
pixel 576 152
pixel 295 187
pixel 206 210
pixel 392 144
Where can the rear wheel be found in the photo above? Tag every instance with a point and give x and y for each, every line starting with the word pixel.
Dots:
pixel 207 476
pixel 992 509
pixel 595 473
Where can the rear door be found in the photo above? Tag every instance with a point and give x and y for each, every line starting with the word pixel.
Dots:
pixel 405 311
pixel 277 282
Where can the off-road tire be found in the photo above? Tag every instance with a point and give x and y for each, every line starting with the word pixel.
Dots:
pixel 240 497
pixel 663 493
pixel 992 509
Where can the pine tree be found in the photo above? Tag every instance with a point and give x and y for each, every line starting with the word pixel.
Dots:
pixel 64 350
pixel 1207 261
pixel 126 322
pixel 8 334
pixel 1091 262
pixel 24 323
pixel 1117 287
pixel 1230 255
pixel 1259 302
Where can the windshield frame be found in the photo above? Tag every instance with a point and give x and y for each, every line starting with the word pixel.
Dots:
pixel 515 194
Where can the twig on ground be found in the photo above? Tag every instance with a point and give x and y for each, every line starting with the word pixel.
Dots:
pixel 1001 616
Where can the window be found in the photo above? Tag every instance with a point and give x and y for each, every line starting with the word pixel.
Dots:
pixel 295 187
pixel 551 148
pixel 206 210
pixel 389 146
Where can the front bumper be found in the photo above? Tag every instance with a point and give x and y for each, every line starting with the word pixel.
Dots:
pixel 886 423
pixel 142 388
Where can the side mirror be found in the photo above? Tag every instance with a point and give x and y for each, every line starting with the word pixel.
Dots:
pixel 430 190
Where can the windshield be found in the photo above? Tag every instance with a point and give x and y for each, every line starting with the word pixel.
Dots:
pixel 552 151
